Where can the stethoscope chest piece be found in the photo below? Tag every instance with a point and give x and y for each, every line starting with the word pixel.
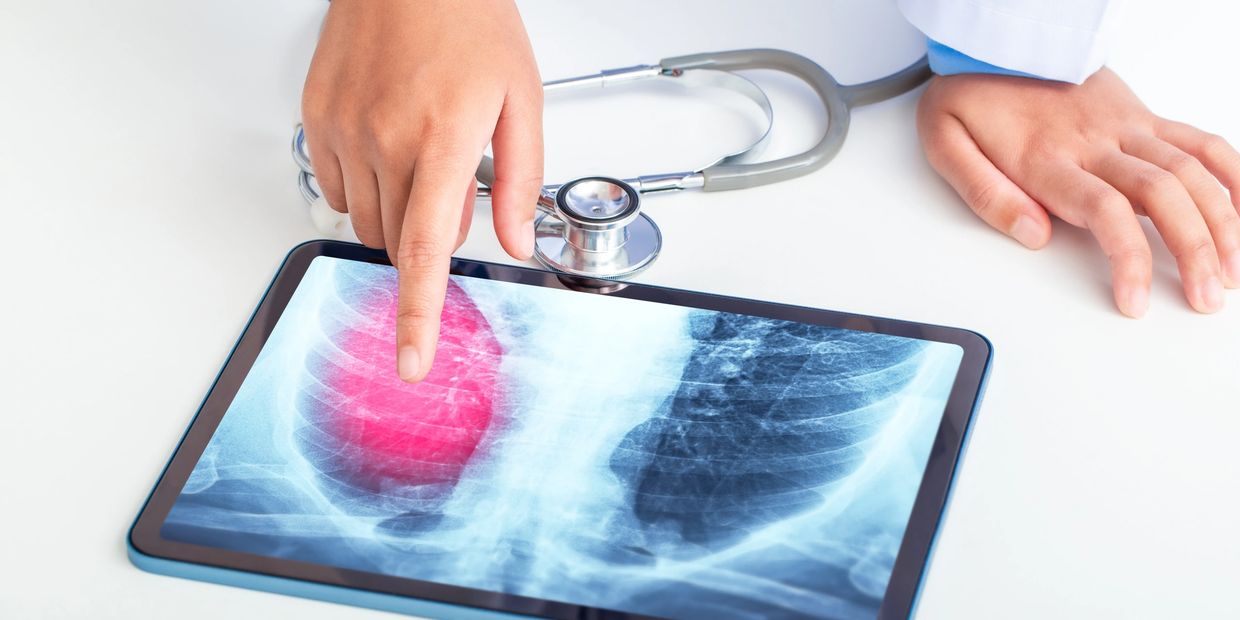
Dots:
pixel 597 230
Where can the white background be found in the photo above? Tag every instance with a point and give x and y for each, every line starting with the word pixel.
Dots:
pixel 145 175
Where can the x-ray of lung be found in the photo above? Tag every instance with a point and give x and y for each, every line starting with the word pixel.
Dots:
pixel 581 448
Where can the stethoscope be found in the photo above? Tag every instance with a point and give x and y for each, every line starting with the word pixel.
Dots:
pixel 593 227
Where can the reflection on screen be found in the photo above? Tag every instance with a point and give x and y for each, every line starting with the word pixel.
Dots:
pixel 587 449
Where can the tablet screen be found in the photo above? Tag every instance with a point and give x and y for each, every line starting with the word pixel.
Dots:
pixel 599 451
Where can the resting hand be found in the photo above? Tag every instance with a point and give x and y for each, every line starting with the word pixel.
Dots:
pixel 1018 149
pixel 400 102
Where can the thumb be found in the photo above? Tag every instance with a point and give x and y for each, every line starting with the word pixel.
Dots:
pixel 988 192
pixel 518 147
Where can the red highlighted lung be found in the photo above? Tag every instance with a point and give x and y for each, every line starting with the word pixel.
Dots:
pixel 379 434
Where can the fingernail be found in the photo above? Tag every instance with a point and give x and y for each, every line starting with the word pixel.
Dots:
pixel 1210 295
pixel 1232 269
pixel 1027 232
pixel 527 240
pixel 1136 302
pixel 408 363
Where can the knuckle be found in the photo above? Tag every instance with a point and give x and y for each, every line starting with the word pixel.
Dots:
pixel 418 307
pixel 1130 253
pixel 312 118
pixel 350 130
pixel 1216 147
pixel 1228 245
pixel 442 147
pixel 315 111
pixel 1107 200
pixel 527 96
pixel 420 255
pixel 528 179
pixel 1041 151
pixel 1195 247
pixel 376 121
pixel 389 138
pixel 393 150
pixel 439 132
pixel 1184 166
pixel 984 198
pixel 416 311
pixel 1229 220
pixel 1156 183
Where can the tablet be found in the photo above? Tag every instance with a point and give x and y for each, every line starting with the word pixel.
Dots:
pixel 644 452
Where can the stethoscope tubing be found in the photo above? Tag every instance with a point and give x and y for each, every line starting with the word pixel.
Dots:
pixel 735 170
pixel 570 241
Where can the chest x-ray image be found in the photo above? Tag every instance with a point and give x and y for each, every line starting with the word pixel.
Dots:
pixel 600 451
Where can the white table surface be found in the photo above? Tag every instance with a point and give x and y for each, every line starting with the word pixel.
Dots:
pixel 144 167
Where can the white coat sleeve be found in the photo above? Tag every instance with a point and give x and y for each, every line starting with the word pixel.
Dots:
pixel 1062 40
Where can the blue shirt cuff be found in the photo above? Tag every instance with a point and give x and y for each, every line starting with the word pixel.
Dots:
pixel 948 61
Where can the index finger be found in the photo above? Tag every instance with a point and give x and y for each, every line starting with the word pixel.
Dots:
pixel 423 255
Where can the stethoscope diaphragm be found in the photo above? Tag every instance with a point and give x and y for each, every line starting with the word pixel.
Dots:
pixel 596 230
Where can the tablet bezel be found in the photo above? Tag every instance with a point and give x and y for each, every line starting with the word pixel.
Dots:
pixel 911 561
